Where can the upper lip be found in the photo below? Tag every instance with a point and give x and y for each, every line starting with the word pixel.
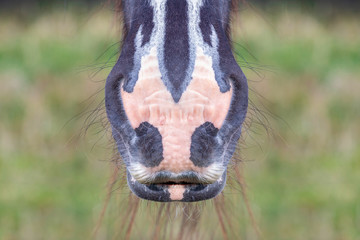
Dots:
pixel 165 177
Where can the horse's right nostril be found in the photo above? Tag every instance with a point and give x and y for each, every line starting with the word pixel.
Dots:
pixel 148 144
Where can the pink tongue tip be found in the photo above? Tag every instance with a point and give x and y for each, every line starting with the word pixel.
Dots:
pixel 176 192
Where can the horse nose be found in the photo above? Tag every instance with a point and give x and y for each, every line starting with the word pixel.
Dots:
pixel 176 136
pixel 176 149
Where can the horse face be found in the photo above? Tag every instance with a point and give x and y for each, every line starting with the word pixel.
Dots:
pixel 176 99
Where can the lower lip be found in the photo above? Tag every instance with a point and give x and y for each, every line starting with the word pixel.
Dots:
pixel 177 191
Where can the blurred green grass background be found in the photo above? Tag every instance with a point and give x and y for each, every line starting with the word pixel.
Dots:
pixel 303 178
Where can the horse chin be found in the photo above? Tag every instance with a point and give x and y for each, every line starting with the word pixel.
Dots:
pixel 176 191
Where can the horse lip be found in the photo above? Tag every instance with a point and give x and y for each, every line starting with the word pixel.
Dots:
pixel 160 192
pixel 183 178
pixel 188 186
pixel 145 175
pixel 165 179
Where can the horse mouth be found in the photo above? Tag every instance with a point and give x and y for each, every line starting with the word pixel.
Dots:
pixel 168 180
pixel 173 185
pixel 171 190
pixel 191 184
pixel 167 184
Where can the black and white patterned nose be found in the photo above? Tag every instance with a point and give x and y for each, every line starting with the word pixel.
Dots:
pixel 176 98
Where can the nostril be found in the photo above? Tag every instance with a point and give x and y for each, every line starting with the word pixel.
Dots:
pixel 142 129
pixel 204 143
pixel 148 145
pixel 211 129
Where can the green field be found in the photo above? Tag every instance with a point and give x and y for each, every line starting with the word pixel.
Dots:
pixel 302 169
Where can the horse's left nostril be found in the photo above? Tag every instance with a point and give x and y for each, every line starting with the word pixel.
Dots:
pixel 205 145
